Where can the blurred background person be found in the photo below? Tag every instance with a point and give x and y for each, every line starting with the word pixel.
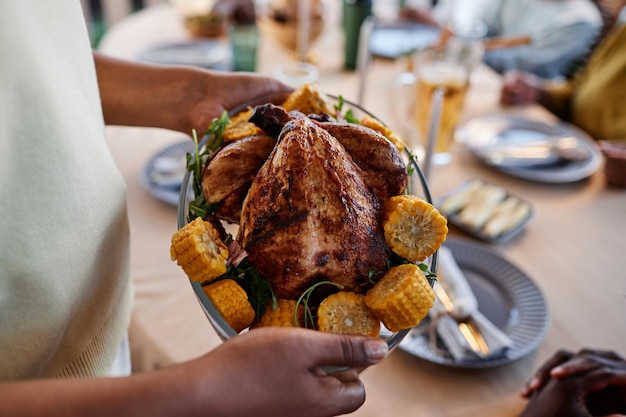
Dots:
pixel 593 98
pixel 560 33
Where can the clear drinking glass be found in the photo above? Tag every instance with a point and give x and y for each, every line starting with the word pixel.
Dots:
pixel 446 68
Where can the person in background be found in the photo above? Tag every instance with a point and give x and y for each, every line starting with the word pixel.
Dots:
pixel 560 32
pixel 65 289
pixel 584 384
pixel 593 99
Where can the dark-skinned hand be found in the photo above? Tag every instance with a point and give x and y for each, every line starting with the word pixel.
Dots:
pixel 588 383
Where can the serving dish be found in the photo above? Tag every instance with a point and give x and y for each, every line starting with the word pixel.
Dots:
pixel 506 296
pixel 498 220
pixel 417 186
pixel 498 133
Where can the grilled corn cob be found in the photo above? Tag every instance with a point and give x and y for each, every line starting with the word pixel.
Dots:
pixel 414 228
pixel 374 124
pixel 282 315
pixel 402 297
pixel 239 127
pixel 232 303
pixel 308 99
pixel 198 249
pixel 346 313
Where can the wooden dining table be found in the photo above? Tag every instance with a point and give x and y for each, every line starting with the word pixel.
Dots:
pixel 573 248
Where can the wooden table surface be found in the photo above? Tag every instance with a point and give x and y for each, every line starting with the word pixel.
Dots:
pixel 573 248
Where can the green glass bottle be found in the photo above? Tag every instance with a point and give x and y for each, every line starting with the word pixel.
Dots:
pixel 354 13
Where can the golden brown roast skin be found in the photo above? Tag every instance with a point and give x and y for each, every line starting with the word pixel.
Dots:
pixel 382 164
pixel 309 216
pixel 227 177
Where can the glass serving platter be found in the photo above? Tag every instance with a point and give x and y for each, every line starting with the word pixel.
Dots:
pixel 417 186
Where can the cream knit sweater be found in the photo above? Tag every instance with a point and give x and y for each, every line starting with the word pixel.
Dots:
pixel 65 295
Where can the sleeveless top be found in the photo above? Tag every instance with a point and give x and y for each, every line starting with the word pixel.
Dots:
pixel 65 293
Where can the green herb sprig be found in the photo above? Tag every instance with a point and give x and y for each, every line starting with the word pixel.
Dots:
pixel 396 260
pixel 199 207
pixel 348 116
pixel 260 293
pixel 410 169
pixel 309 319
pixel 259 290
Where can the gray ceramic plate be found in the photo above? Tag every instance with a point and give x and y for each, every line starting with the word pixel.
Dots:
pixel 506 296
pixel 498 130
pixel 206 53
pixel 166 189
pixel 393 40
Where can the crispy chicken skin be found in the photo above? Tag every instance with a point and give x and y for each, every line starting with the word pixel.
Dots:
pixel 227 177
pixel 382 166
pixel 309 215
pixel 381 162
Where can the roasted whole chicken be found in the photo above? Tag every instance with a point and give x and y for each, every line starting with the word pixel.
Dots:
pixel 310 199
pixel 327 237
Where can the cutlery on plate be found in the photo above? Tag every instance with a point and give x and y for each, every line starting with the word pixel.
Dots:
pixel 553 150
pixel 466 327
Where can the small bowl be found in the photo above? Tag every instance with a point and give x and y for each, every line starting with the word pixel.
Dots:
pixel 417 186
pixel 614 152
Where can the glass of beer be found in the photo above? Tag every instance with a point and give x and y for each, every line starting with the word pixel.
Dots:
pixel 436 69
pixel 445 67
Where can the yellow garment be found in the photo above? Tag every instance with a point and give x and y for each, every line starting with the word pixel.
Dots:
pixel 595 99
